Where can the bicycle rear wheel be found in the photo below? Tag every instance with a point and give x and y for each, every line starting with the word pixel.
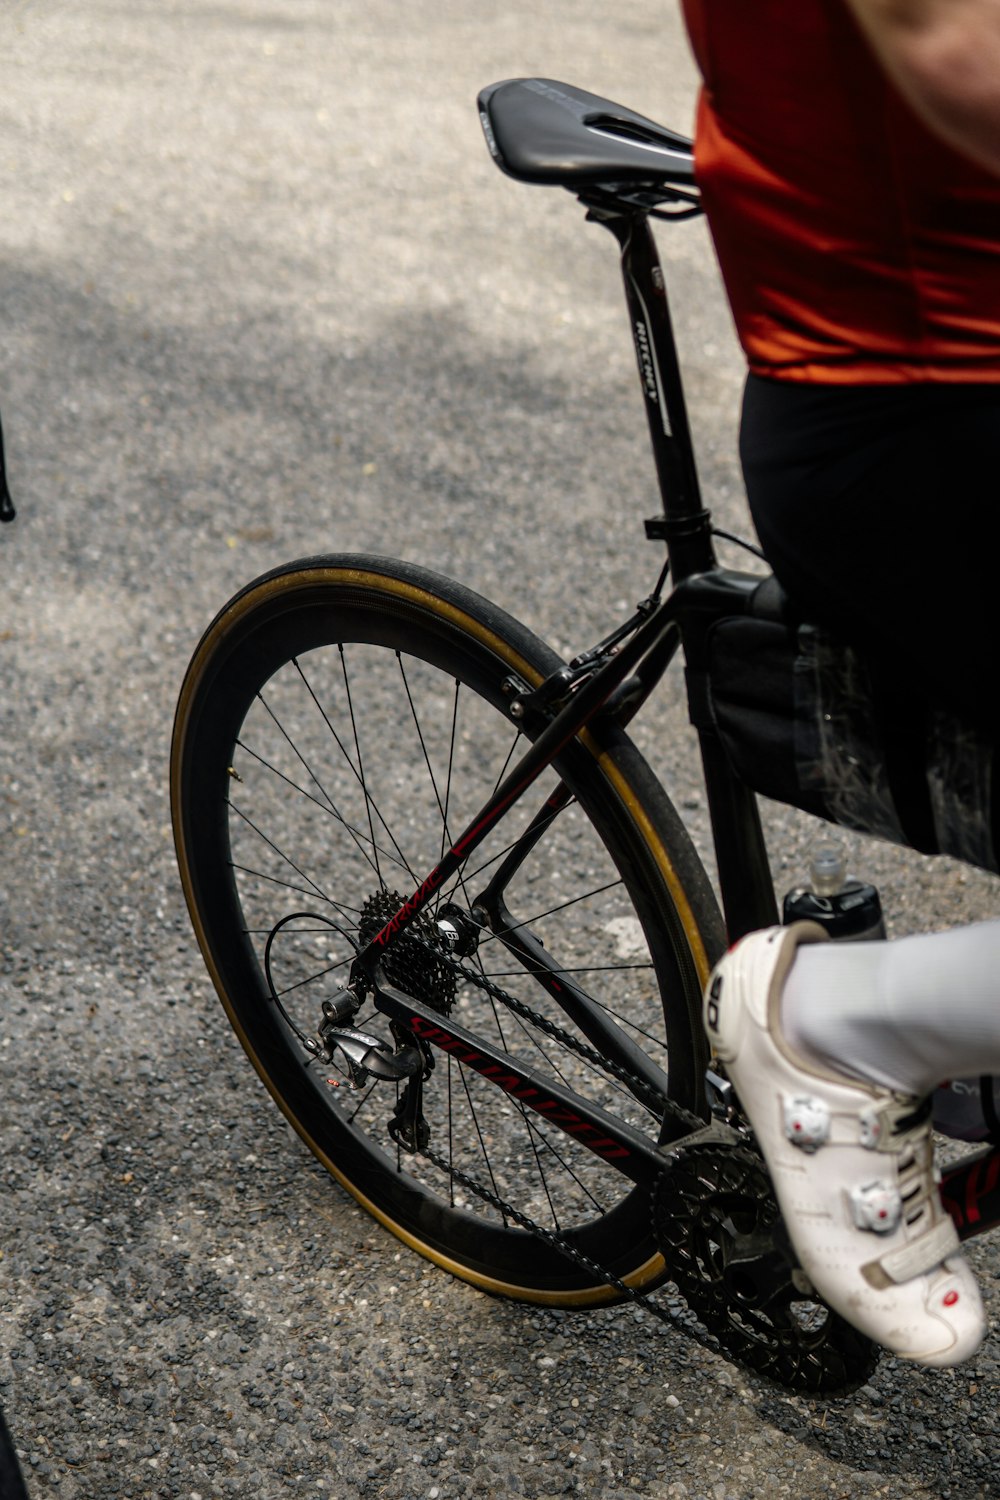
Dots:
pixel 341 721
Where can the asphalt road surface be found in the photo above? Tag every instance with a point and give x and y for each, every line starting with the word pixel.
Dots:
pixel 263 294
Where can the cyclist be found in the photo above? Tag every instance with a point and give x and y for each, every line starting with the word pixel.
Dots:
pixel 849 157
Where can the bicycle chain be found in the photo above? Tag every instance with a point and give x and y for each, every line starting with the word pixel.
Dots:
pixel 839 1362
pixel 657 1103
pixel 570 1252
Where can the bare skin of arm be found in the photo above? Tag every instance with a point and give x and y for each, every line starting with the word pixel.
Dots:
pixel 944 57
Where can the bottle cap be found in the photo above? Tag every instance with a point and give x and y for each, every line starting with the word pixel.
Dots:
pixel 827 867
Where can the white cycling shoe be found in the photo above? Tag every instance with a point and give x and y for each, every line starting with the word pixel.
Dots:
pixel 852 1167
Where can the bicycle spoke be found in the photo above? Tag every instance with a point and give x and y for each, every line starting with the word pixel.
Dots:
pixel 487 1160
pixel 357 748
pixel 501 854
pixel 568 1169
pixel 445 831
pixel 293 746
pixel 312 978
pixel 563 970
pixel 285 885
pixel 550 911
pixel 357 771
pixel 423 748
pixel 535 1133
pixel 314 889
pixel 331 812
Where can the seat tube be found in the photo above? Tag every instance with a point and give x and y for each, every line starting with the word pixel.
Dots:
pixel 745 883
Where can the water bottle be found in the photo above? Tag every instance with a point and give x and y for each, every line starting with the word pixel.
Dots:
pixel 848 908
pixel 965 1109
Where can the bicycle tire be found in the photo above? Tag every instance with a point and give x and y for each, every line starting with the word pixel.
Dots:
pixel 299 680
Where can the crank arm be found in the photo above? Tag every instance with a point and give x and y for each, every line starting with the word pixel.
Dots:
pixel 970 1191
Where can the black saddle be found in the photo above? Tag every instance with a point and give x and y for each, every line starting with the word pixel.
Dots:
pixel 540 131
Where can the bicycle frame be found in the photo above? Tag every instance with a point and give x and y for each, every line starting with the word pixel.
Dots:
pixel 615 679
pixel 970 1191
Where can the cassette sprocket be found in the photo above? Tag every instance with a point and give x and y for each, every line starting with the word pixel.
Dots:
pixel 415 962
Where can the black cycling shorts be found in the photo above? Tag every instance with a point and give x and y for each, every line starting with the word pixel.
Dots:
pixel 878 508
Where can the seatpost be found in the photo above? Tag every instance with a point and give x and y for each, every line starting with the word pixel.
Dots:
pixel 685 526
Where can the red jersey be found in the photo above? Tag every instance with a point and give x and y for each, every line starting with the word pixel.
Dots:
pixel 855 246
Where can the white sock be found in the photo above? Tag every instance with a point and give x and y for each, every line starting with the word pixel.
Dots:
pixel 907 1014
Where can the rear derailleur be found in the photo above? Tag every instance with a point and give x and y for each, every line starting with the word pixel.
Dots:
pixel 367 1057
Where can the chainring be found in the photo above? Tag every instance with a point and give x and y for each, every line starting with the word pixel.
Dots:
pixel 718 1227
pixel 411 963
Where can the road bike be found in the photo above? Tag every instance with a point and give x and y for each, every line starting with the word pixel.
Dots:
pixel 453 916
